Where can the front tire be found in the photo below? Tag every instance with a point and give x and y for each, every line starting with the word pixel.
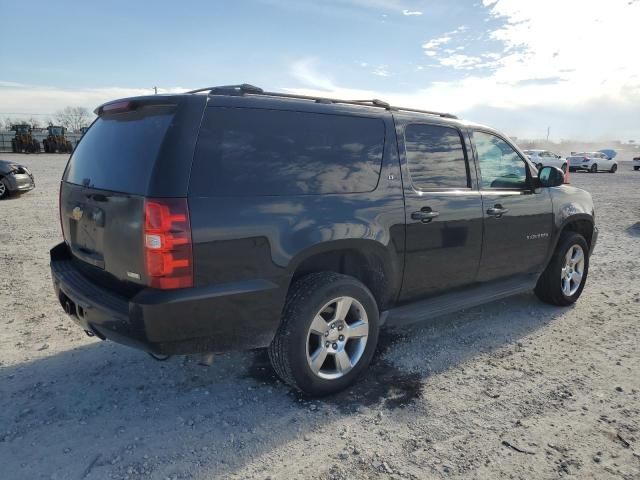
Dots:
pixel 636 168
pixel 564 278
pixel 594 168
pixel 614 167
pixel 4 189
pixel 328 333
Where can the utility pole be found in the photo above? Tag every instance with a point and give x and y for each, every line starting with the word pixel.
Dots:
pixel 155 89
pixel 548 132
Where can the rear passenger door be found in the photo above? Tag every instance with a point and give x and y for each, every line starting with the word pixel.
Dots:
pixel 517 218
pixel 443 210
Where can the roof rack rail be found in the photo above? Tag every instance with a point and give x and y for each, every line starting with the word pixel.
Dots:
pixel 230 89
pixel 246 88
pixel 429 112
pixel 375 102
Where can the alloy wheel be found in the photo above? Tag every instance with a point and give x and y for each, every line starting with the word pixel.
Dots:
pixel 572 273
pixel 337 338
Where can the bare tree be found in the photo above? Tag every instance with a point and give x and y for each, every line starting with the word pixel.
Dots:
pixel 73 118
pixel 10 122
pixel 34 123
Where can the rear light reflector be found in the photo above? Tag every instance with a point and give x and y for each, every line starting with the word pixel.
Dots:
pixel 167 243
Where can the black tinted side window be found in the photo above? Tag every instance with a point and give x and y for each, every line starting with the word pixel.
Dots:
pixel 247 151
pixel 500 165
pixel 435 156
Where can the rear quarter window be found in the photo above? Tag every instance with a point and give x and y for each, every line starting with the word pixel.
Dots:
pixel 248 151
pixel 119 151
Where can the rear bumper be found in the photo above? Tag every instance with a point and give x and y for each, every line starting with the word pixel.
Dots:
pixel 238 316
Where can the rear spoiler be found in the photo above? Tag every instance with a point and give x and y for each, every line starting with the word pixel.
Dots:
pixel 130 104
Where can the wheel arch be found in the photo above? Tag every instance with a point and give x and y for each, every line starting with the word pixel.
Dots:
pixel 581 223
pixel 366 260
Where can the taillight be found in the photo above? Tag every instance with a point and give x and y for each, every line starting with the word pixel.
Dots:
pixel 167 243
pixel 60 210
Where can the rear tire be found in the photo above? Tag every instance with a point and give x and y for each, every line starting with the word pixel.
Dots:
pixel 594 168
pixel 549 288
pixel 319 307
pixel 613 168
pixel 636 168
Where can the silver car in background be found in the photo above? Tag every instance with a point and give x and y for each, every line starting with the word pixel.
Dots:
pixel 545 158
pixel 592 162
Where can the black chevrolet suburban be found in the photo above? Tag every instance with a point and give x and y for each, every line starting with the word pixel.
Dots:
pixel 232 218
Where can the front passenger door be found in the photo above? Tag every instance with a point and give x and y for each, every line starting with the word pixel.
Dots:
pixel 518 220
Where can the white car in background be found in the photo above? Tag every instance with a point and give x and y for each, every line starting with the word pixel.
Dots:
pixel 592 162
pixel 636 163
pixel 545 158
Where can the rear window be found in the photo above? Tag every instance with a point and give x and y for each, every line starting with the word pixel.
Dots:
pixel 119 150
pixel 247 151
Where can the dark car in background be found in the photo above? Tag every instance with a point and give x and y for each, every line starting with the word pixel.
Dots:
pixel 230 218
pixel 14 178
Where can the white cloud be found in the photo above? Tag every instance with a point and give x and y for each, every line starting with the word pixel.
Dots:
pixel 432 47
pixel 590 46
pixel 11 84
pixel 409 13
pixel 573 63
pixel 307 71
pixel 436 42
pixel 381 71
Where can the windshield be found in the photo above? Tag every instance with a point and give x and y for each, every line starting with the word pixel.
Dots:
pixel 55 130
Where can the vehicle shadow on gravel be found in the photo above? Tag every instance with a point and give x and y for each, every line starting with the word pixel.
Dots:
pixel 408 356
pixel 119 410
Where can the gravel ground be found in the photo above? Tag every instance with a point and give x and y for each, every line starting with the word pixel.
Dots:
pixel 514 389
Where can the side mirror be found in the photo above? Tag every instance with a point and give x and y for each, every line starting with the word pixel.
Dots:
pixel 550 177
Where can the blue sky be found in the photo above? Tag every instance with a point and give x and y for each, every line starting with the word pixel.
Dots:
pixel 514 63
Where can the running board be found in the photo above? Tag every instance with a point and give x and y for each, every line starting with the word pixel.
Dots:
pixel 423 310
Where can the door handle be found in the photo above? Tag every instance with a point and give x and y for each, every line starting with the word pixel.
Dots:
pixel 497 211
pixel 425 215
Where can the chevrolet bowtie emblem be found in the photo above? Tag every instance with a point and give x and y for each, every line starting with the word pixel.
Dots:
pixel 76 213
